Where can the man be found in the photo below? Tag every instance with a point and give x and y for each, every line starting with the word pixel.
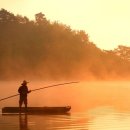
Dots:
pixel 23 91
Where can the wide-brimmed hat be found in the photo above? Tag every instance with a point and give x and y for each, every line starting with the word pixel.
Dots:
pixel 25 82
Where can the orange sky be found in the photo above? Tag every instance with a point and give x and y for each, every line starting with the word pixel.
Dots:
pixel 106 21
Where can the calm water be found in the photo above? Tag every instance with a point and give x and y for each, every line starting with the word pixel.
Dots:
pixel 95 106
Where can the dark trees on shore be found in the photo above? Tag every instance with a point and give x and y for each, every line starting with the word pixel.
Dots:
pixel 51 50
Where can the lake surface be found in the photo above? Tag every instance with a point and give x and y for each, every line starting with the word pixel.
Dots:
pixel 95 106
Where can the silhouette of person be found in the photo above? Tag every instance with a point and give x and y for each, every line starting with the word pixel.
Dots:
pixel 23 91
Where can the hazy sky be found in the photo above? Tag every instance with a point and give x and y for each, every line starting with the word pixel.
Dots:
pixel 106 21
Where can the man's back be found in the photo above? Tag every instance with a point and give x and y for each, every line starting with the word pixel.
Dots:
pixel 23 90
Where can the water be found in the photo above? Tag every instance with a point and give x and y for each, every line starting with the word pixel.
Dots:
pixel 95 106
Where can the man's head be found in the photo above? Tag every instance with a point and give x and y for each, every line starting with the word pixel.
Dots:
pixel 24 82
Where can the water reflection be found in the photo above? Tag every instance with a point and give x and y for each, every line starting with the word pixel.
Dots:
pixel 23 122
pixel 108 118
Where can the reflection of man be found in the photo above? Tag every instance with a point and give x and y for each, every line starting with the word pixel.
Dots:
pixel 23 122
pixel 23 90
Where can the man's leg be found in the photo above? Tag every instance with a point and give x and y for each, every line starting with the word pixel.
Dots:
pixel 25 103
pixel 20 104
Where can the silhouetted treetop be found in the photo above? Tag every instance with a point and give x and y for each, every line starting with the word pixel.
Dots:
pixel 6 17
pixel 123 52
pixel 40 48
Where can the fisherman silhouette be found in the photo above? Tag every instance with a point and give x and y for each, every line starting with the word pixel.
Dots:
pixel 23 91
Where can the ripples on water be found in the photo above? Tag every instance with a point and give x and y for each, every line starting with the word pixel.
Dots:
pixel 43 122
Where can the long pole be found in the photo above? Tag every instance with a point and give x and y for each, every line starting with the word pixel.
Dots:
pixel 39 89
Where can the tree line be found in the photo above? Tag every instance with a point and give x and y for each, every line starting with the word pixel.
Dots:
pixel 51 50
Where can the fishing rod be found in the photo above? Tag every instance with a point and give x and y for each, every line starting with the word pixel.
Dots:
pixel 39 89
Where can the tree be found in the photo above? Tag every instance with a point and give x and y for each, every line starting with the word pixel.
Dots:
pixel 47 49
pixel 40 18
pixel 123 52
pixel 83 36
pixel 6 17
pixel 22 20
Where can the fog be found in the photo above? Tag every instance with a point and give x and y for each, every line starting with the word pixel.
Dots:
pixel 81 96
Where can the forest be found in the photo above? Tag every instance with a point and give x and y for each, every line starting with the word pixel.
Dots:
pixel 40 49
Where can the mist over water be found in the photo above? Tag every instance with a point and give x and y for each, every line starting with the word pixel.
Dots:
pixel 95 106
pixel 81 96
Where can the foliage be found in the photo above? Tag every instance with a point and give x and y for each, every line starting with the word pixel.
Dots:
pixel 51 50
pixel 123 52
